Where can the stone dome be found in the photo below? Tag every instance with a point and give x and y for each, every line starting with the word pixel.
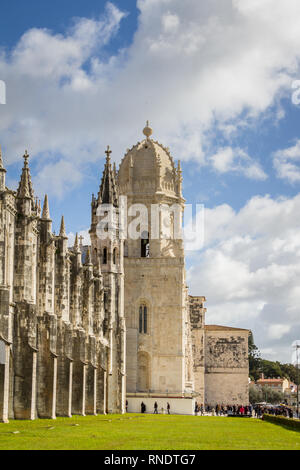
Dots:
pixel 148 168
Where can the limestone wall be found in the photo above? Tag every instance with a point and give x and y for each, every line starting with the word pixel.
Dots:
pixel 226 366
pixel 158 354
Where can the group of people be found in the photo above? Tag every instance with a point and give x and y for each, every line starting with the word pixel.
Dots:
pixel 223 410
pixel 256 411
pixel 168 408
pixel 281 410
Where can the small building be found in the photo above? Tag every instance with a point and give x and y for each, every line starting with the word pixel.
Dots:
pixel 279 385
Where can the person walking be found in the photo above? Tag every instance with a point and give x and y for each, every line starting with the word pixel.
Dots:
pixel 143 407
pixel 155 408
pixel 168 408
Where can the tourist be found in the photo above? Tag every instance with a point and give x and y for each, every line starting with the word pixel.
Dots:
pixel 168 407
pixel 155 408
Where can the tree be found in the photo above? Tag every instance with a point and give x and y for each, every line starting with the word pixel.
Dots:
pixel 254 358
pixel 255 394
pixel 272 396
pixel 271 369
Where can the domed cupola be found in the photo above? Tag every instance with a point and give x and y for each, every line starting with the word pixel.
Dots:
pixel 148 168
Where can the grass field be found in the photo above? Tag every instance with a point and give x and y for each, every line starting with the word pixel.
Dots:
pixel 146 432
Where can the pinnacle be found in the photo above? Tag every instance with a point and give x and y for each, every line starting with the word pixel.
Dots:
pixel 108 193
pixel 88 257
pixel 76 245
pixel 62 231
pixel 25 186
pixel 46 212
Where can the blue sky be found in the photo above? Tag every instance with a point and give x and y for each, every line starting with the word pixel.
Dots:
pixel 215 81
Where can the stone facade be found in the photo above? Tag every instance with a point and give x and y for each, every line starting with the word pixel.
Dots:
pixel 82 329
pixel 62 327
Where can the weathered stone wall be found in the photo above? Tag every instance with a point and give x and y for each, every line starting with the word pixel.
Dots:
pixel 226 366
pixel 197 320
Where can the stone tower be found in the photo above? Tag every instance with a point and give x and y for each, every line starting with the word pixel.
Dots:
pixel 156 303
pixel 107 253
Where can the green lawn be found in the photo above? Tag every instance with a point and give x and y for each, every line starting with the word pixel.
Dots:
pixel 153 432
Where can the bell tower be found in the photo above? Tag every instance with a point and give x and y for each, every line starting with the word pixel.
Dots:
pixel 155 286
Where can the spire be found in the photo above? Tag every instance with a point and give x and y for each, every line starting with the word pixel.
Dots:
pixel 46 212
pixel 76 245
pixel 62 231
pixel 25 185
pixel 108 193
pixel 88 261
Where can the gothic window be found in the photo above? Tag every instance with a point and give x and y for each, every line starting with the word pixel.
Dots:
pixel 104 255
pixel 143 319
pixel 115 255
pixel 145 252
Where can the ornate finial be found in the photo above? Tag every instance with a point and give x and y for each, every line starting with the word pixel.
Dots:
pixel 26 156
pixel 81 238
pixel 147 130
pixel 108 152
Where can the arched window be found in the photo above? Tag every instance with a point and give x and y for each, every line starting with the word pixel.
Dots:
pixel 104 255
pixel 143 319
pixel 115 255
pixel 145 253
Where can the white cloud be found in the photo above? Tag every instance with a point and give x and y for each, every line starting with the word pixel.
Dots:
pixel 86 240
pixel 236 160
pixel 287 163
pixel 249 270
pixel 278 330
pixel 187 69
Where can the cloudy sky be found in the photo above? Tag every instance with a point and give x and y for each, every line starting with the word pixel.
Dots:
pixel 219 81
